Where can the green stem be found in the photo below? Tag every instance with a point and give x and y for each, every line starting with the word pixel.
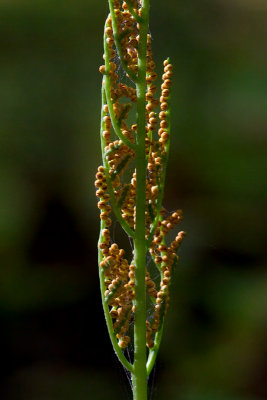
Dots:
pixel 120 167
pixel 130 73
pixel 115 124
pixel 115 208
pixel 108 318
pixel 140 374
pixel 131 9
pixel 165 159
pixel 154 351
pixel 107 85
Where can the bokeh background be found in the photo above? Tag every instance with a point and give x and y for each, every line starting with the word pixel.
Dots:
pixel 53 340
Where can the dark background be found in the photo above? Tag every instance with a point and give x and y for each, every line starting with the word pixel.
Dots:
pixel 53 340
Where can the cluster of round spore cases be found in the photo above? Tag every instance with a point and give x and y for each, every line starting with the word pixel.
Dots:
pixel 116 179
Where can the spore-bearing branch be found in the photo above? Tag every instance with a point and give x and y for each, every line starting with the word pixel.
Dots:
pixel 141 151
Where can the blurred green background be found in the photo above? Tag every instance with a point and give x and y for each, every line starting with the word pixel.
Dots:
pixel 54 344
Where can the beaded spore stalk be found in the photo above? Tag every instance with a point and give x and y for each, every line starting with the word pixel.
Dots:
pixel 130 186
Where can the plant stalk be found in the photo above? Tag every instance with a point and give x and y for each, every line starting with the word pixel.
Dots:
pixel 139 377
